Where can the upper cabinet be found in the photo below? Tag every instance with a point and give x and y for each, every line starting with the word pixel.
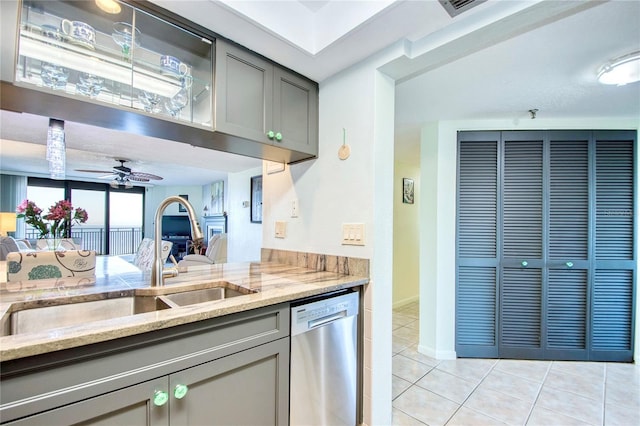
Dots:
pixel 258 100
pixel 119 55
pixel 136 67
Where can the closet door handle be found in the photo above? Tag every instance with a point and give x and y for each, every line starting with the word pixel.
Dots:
pixel 569 264
pixel 524 263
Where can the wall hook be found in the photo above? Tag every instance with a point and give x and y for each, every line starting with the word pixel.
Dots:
pixel 533 113
pixel 345 150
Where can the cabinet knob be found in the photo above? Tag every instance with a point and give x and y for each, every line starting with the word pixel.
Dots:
pixel 524 263
pixel 569 264
pixel 180 391
pixel 278 136
pixel 160 398
pixel 271 134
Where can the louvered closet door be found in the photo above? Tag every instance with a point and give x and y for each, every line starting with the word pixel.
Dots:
pixel 521 292
pixel 477 261
pixel 566 299
pixel 615 265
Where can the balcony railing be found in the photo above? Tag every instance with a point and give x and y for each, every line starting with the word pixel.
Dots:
pixel 121 240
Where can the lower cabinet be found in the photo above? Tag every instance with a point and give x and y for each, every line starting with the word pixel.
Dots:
pixel 247 388
pixel 232 370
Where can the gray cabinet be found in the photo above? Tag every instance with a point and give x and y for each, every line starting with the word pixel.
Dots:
pixel 217 393
pixel 247 388
pixel 253 108
pixel 227 364
pixel 258 100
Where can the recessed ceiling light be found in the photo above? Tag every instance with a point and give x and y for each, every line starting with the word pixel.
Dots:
pixel 621 71
pixel 109 6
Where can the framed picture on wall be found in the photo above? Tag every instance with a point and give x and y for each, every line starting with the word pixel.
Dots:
pixel 217 198
pixel 407 191
pixel 256 199
pixel 181 208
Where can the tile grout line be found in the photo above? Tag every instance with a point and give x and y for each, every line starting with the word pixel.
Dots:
pixel 604 395
pixel 535 400
pixel 471 393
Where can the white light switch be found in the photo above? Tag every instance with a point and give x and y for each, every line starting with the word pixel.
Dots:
pixel 294 208
pixel 281 229
pixel 353 234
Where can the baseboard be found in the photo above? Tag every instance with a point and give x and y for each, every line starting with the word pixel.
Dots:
pixel 436 354
pixel 404 302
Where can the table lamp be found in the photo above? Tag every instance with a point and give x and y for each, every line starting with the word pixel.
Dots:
pixel 7 223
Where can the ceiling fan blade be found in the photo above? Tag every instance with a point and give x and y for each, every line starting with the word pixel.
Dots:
pixel 147 176
pixel 136 178
pixel 94 171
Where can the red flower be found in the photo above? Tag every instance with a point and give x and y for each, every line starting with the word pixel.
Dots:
pixel 59 215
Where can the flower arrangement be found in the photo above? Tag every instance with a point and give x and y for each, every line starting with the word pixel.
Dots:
pixel 54 224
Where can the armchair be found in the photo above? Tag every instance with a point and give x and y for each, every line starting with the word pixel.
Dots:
pixel 216 253
pixel 11 245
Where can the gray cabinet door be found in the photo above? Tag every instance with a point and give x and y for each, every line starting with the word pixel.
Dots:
pixel 129 406
pixel 247 388
pixel 295 112
pixel 244 93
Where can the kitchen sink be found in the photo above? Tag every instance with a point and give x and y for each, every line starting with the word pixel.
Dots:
pixel 28 320
pixel 203 295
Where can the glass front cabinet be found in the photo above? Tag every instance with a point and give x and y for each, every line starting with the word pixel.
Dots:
pixel 112 53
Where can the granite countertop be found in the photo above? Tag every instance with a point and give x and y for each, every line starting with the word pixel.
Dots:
pixel 272 283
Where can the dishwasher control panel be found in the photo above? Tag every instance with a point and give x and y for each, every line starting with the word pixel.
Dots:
pixel 321 312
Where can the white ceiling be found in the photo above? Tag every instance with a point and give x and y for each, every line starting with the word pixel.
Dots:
pixel 495 61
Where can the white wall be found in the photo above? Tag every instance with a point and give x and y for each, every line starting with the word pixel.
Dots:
pixel 406 241
pixel 244 238
pixel 155 195
pixel 438 174
pixel 360 189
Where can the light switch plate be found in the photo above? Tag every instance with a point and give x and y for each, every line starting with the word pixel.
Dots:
pixel 294 208
pixel 353 234
pixel 281 229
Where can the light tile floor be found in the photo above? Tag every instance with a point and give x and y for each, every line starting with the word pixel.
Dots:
pixel 474 392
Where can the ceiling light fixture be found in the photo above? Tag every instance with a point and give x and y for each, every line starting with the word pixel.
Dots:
pixel 622 70
pixel 109 6
pixel 56 149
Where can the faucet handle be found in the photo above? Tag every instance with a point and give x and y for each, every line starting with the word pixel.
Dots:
pixel 170 272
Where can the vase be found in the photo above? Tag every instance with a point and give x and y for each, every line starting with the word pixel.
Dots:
pixel 53 244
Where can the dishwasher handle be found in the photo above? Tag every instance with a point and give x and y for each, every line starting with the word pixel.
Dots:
pixel 325 320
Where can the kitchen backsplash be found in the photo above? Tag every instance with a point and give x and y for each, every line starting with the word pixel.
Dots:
pixel 318 262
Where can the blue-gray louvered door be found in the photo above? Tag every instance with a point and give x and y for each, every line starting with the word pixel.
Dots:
pixel 563 207
pixel 615 271
pixel 477 260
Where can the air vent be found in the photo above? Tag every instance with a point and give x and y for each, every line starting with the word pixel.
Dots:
pixel 456 7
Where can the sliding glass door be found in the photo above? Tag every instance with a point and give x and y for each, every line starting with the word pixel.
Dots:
pixel 116 216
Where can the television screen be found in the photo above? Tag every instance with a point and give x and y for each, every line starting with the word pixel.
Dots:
pixel 176 226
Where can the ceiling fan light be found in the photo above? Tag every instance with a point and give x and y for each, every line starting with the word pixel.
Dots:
pixel 128 184
pixel 621 71
pixel 114 183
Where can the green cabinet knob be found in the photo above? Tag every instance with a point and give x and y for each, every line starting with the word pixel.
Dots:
pixel 278 136
pixel 160 398
pixel 270 134
pixel 569 264
pixel 524 263
pixel 180 391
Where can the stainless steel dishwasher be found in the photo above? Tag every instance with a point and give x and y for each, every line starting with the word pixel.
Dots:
pixel 324 361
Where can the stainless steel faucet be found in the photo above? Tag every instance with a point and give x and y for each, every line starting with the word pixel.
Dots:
pixel 158 273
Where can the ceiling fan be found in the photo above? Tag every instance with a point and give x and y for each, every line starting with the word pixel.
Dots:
pixel 123 176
